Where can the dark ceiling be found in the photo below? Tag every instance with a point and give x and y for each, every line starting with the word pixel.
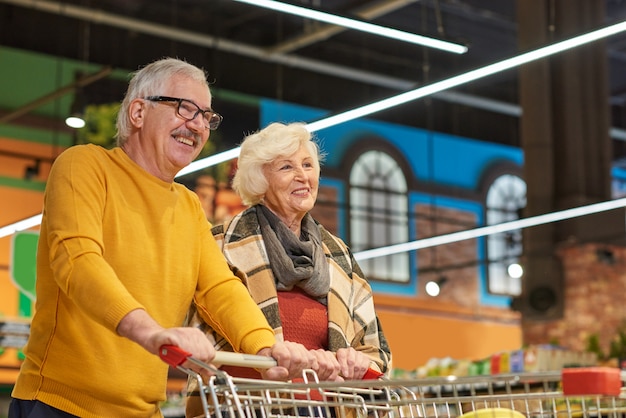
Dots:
pixel 264 53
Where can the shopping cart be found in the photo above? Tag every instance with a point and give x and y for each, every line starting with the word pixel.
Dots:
pixel 575 392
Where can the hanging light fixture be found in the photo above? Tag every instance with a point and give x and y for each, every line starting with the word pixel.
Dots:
pixel 515 270
pixel 360 25
pixel 76 118
pixel 433 287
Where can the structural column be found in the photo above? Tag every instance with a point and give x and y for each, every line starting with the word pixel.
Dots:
pixel 566 144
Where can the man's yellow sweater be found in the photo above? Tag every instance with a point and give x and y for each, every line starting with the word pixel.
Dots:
pixel 113 239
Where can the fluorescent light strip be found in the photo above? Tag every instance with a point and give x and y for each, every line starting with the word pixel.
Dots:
pixel 20 225
pixel 413 94
pixel 466 77
pixel 358 25
pixel 491 229
pixel 209 161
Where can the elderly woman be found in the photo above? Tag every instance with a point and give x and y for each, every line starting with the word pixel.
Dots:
pixel 305 279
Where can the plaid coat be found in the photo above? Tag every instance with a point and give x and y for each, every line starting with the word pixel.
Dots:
pixel 352 320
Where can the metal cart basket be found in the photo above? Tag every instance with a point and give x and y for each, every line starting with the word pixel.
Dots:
pixel 579 392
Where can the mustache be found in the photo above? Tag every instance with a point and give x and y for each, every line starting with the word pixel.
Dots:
pixel 189 134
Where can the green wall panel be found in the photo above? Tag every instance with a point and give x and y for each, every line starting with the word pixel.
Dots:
pixel 27 77
pixel 34 185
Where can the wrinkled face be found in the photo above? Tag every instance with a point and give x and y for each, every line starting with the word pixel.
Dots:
pixel 167 139
pixel 293 185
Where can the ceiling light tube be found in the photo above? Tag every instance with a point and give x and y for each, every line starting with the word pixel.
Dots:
pixel 491 229
pixel 359 25
pixel 467 77
pixel 20 225
pixel 209 161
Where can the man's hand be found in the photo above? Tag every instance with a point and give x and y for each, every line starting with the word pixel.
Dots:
pixel 292 359
pixel 139 327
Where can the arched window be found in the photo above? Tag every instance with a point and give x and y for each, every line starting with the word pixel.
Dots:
pixel 505 198
pixel 378 214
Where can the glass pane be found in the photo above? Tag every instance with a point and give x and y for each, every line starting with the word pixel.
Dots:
pixel 378 214
pixel 505 199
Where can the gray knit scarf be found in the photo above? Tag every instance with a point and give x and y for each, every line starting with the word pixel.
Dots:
pixel 295 262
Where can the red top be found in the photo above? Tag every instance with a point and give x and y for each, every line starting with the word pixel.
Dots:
pixel 304 321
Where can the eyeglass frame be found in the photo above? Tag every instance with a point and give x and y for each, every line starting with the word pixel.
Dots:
pixel 211 124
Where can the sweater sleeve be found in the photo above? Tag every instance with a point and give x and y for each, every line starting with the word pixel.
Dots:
pixel 223 301
pixel 72 226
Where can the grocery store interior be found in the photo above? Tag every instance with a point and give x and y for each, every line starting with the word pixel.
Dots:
pixel 479 179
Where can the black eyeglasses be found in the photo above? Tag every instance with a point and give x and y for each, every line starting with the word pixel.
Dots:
pixel 188 110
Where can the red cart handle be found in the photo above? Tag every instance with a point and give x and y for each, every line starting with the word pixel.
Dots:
pixel 173 355
pixel 372 374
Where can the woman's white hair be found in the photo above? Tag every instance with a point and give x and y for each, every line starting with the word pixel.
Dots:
pixel 262 148
pixel 150 81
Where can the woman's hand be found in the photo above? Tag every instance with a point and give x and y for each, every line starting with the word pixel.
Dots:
pixel 353 364
pixel 292 359
pixel 327 365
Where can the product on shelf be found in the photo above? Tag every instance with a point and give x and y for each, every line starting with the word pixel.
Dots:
pixel 535 358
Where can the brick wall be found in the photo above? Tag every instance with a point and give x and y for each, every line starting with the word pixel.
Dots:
pixel 456 261
pixel 595 302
